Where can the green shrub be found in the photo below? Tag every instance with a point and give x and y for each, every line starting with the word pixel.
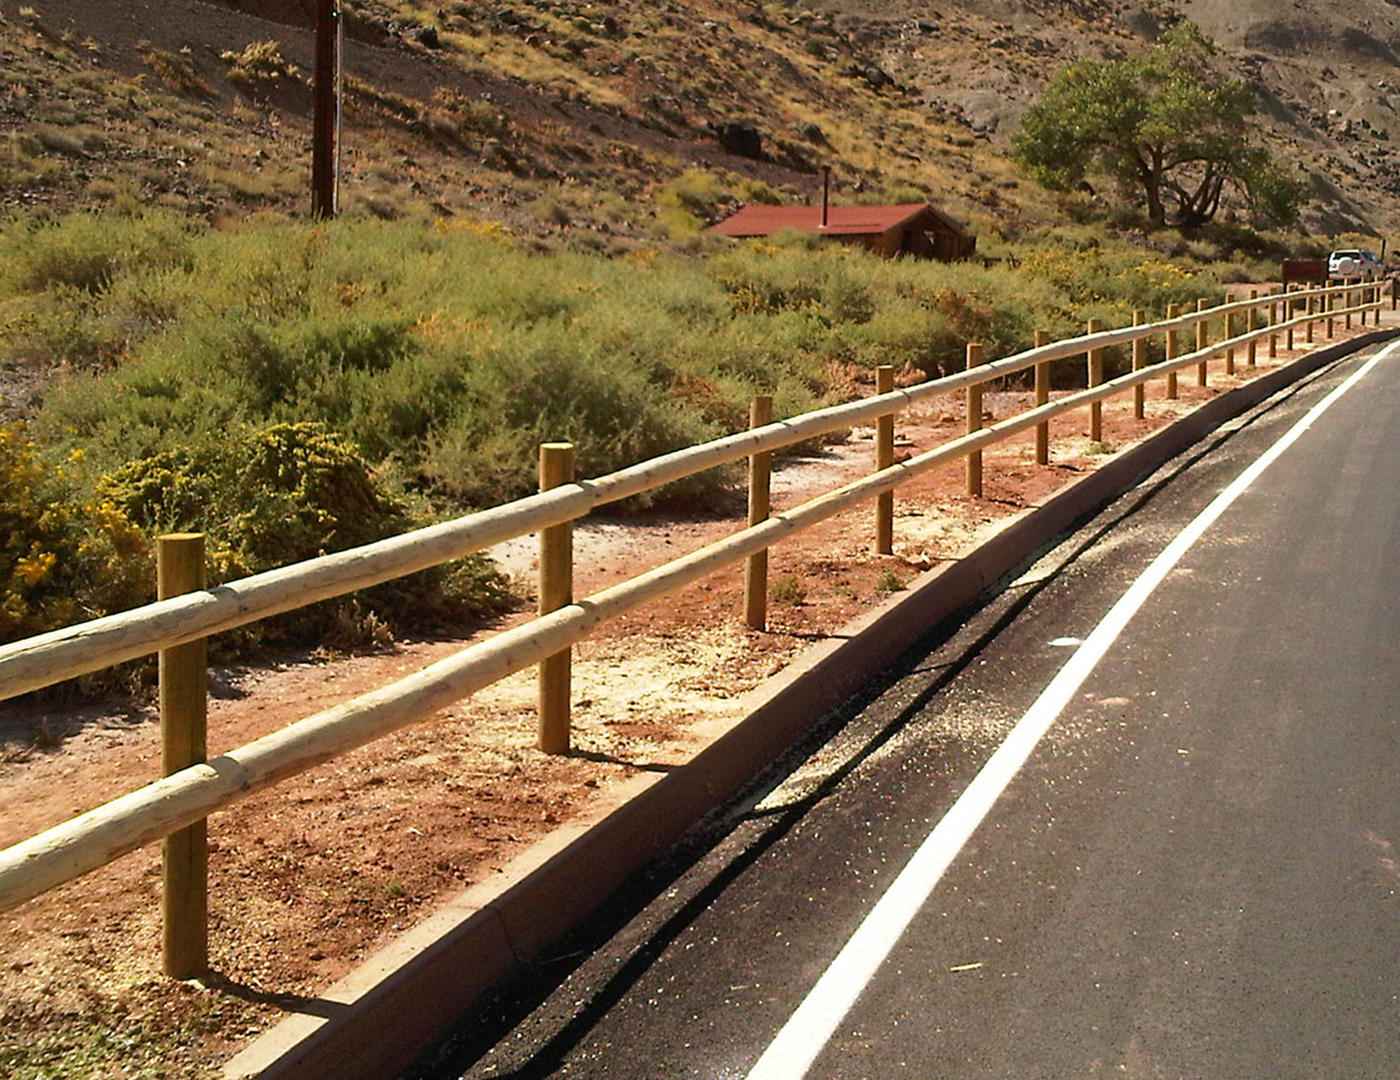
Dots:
pixel 62 559
pixel 86 251
pixel 266 498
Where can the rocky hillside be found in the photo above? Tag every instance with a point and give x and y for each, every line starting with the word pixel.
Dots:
pixel 585 121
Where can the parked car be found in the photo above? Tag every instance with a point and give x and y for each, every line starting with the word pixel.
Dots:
pixel 1354 263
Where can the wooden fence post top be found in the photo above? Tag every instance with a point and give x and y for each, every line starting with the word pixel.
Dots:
pixel 975 353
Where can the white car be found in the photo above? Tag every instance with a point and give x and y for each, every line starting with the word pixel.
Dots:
pixel 1354 263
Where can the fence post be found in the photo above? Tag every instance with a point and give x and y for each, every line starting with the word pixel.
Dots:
pixel 884 458
pixel 974 421
pixel 1202 340
pixel 1330 300
pixel 1273 321
pixel 1252 324
pixel 556 590
pixel 1173 311
pixel 1139 362
pixel 1394 293
pixel 1347 296
pixel 184 698
pixel 1227 322
pixel 1310 312
pixel 1095 363
pixel 1042 396
pixel 1288 315
pixel 760 504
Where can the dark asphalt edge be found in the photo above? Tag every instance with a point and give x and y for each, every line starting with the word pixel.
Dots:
pixel 382 1016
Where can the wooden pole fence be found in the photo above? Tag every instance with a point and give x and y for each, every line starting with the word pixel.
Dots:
pixel 90 840
pixel 1042 395
pixel 556 589
pixel 183 697
pixel 1094 362
pixel 760 505
pixel 1202 340
pixel 1173 310
pixel 884 458
pixel 1139 362
pixel 973 399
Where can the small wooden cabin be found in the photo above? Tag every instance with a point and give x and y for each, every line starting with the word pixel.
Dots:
pixel 916 229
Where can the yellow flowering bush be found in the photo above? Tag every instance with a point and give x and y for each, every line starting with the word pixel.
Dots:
pixel 62 559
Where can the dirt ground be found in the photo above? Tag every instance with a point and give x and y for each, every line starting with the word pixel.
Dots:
pixel 309 878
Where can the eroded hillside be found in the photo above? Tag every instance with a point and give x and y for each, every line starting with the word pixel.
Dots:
pixel 571 120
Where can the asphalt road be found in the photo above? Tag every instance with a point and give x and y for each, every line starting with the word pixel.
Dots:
pixel 1196 873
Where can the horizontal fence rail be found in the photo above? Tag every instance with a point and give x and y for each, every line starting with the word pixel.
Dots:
pixel 189 795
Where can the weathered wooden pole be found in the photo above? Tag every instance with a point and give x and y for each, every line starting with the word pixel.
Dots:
pixel 184 703
pixel 1252 324
pixel 973 397
pixel 556 586
pixel 1288 315
pixel 760 505
pixel 1347 299
pixel 1094 358
pixel 1273 321
pixel 1173 311
pixel 884 458
pixel 1202 340
pixel 1227 325
pixel 325 121
pixel 1139 362
pixel 1042 395
pixel 1310 312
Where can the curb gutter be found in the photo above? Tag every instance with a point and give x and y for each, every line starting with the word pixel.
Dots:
pixel 381 1016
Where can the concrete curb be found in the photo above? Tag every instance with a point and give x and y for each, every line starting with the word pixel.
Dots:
pixel 376 1020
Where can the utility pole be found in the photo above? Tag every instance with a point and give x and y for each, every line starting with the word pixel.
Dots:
pixel 325 123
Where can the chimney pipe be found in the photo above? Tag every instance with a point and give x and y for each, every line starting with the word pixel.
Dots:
pixel 826 192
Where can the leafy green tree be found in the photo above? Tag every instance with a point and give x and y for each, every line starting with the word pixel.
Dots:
pixel 1165 126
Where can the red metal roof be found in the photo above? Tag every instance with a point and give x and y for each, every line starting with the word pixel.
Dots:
pixel 758 220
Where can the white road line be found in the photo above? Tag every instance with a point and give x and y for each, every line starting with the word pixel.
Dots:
pixel 808 1030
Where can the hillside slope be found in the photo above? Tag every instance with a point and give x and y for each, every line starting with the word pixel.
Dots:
pixel 567 119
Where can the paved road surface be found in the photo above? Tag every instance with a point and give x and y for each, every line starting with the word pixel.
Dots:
pixel 1195 874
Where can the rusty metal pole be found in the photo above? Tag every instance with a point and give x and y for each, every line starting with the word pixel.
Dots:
pixel 760 505
pixel 884 458
pixel 1139 362
pixel 1042 396
pixel 184 703
pixel 974 421
pixel 325 122
pixel 556 589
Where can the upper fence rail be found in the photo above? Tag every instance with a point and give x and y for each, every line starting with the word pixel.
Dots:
pixel 49 658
